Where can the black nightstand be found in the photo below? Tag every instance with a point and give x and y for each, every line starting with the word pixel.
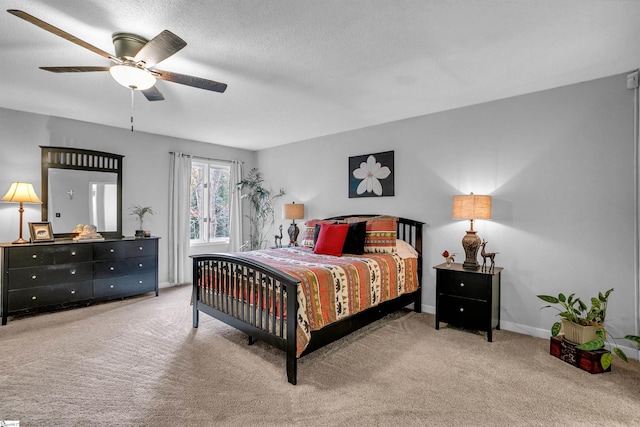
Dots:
pixel 468 298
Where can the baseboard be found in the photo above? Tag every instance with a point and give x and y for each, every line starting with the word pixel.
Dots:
pixel 165 285
pixel 428 309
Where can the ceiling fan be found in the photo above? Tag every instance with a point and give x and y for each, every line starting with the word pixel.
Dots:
pixel 134 60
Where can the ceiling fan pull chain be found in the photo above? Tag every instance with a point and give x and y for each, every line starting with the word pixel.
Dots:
pixel 131 109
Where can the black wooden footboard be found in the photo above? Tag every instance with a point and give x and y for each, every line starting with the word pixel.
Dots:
pixel 248 296
pixel 253 297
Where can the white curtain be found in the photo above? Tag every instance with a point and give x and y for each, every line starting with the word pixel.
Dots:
pixel 235 209
pixel 179 185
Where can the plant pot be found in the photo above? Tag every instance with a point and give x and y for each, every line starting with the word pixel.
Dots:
pixel 139 233
pixel 580 334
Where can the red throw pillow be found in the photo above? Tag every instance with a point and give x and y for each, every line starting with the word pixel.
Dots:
pixel 331 239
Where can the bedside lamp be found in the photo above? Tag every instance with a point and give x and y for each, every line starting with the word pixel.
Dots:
pixel 292 211
pixel 21 192
pixel 471 207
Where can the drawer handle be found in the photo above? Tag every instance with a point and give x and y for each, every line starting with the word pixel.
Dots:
pixel 461 285
pixel 34 277
pixel 111 286
pixel 140 265
pixel 73 272
pixel 34 297
pixel 73 292
pixel 34 256
pixel 112 250
pixel 461 309
pixel 73 253
pixel 140 282
pixel 112 268
pixel 140 248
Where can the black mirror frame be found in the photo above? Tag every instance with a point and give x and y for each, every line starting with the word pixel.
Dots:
pixel 85 160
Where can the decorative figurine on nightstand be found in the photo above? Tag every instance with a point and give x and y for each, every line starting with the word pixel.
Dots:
pixel 448 258
pixel 278 239
pixel 485 255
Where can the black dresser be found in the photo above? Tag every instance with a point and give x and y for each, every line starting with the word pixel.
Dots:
pixel 46 276
pixel 468 298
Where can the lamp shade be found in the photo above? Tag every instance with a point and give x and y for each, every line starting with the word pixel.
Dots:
pixel 471 207
pixel 293 211
pixel 21 192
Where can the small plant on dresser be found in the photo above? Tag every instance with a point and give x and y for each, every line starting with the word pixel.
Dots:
pixel 140 212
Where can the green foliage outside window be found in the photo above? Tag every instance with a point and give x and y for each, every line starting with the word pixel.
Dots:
pixel 209 202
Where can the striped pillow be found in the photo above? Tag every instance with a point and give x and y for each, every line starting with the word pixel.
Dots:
pixel 310 228
pixel 381 233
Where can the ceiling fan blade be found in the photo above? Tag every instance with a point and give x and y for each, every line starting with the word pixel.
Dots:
pixel 153 94
pixel 78 69
pixel 58 32
pixel 183 79
pixel 159 48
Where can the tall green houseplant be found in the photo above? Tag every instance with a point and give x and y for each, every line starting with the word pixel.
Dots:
pixel 261 212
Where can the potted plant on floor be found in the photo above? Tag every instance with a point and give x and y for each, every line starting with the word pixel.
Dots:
pixel 585 326
pixel 261 210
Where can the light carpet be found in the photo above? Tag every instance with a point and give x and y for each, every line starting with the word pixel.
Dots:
pixel 139 362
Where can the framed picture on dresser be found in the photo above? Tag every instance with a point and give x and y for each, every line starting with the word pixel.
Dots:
pixel 40 232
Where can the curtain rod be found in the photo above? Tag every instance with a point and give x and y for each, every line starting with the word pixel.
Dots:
pixel 206 158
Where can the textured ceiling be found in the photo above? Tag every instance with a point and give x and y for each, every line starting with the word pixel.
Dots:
pixel 302 69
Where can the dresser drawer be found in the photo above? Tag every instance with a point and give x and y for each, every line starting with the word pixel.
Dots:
pixel 21 278
pixel 109 250
pixel 23 299
pixel 467 313
pixel 113 268
pixel 30 256
pixel 79 252
pixel 141 247
pixel 463 284
pixel 124 285
pixel 124 249
pixel 33 256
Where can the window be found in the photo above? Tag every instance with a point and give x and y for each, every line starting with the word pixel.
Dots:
pixel 210 194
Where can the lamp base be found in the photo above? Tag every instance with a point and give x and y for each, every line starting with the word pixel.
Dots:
pixel 471 244
pixel 20 241
pixel 293 234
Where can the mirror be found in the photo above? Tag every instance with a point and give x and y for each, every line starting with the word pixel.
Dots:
pixel 75 194
pixel 81 187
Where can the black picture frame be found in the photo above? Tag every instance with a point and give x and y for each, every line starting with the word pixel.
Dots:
pixel 358 185
pixel 40 232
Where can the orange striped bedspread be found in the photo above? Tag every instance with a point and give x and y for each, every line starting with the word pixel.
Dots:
pixel 332 288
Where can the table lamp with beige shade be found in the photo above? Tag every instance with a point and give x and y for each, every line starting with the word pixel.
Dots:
pixel 471 207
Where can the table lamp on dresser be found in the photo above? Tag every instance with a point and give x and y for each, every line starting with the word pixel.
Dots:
pixel 21 192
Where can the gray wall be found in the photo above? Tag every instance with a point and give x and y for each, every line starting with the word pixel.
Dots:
pixel 559 165
pixel 145 168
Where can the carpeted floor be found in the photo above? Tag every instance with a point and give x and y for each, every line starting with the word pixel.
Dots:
pixel 138 362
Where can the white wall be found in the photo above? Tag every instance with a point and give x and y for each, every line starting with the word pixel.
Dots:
pixel 559 165
pixel 145 168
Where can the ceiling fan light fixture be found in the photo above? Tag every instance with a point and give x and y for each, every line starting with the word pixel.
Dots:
pixel 132 77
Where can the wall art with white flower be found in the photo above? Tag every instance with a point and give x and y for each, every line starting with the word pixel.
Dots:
pixel 371 175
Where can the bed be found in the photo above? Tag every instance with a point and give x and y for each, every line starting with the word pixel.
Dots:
pixel 334 295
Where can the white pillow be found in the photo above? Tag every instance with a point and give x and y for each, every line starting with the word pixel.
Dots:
pixel 405 250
